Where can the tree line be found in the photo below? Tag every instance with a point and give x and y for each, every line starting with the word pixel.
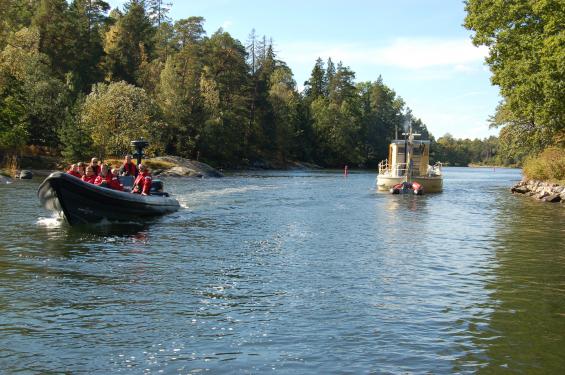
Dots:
pixel 84 79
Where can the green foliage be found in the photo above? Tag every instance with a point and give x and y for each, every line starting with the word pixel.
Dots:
pixel 32 101
pixel 157 11
pixel 127 41
pixel 114 114
pixel 527 58
pixel 226 78
pixel 179 90
pixel 462 152
pixel 89 20
pixel 285 103
pixel 57 34
pixel 75 140
pixel 13 125
pixel 15 15
pixel 315 86
pixel 381 115
pixel 549 165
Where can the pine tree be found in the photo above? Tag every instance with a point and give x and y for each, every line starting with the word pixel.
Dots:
pixel 127 41
pixel 314 87
pixel 90 19
pixel 58 33
pixel 158 10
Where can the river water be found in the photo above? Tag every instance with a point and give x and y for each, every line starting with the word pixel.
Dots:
pixel 290 273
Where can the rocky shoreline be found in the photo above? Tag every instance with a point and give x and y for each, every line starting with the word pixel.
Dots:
pixel 540 190
pixel 185 168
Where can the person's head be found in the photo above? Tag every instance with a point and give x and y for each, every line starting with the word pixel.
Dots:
pixel 142 168
pixel 74 168
pixel 103 170
pixel 81 167
pixel 115 171
pixel 89 171
pixel 94 161
pixel 128 159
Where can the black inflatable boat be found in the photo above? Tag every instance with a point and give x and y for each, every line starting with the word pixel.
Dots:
pixel 84 203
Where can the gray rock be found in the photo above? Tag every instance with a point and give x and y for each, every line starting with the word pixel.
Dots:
pixel 542 195
pixel 181 172
pixel 26 175
pixel 188 168
pixel 520 189
pixel 552 198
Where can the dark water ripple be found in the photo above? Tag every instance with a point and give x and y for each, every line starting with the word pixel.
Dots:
pixel 294 272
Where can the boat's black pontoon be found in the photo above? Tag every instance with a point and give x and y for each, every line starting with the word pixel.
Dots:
pixel 84 203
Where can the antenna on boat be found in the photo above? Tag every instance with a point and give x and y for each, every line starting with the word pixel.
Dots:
pixel 139 145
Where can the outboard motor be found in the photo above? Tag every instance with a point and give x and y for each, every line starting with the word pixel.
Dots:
pixel 139 145
pixel 157 188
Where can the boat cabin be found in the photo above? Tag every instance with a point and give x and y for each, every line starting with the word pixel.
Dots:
pixel 417 159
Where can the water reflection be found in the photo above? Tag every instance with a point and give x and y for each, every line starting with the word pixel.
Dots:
pixel 525 329
pixel 405 202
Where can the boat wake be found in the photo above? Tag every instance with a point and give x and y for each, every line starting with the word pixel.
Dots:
pixel 50 222
pixel 199 196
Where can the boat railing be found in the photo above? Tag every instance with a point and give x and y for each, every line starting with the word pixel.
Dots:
pixel 384 167
pixel 401 169
pixel 398 170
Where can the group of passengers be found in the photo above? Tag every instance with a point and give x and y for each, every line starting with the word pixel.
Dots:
pixel 103 175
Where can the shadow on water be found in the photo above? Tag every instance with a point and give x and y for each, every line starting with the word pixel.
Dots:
pixel 525 331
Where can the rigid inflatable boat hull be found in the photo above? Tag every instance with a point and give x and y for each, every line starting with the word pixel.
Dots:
pixel 84 203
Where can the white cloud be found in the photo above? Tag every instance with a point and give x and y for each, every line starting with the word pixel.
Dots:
pixel 451 102
pixel 411 54
pixel 424 53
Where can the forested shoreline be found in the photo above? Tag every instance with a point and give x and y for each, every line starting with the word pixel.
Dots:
pixel 79 79
pixel 526 42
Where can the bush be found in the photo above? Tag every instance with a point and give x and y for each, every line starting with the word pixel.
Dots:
pixel 549 165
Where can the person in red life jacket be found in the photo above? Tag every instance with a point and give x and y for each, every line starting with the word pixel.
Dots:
pixel 81 169
pixel 128 168
pixel 74 171
pixel 114 181
pixel 102 178
pixel 95 166
pixel 89 176
pixel 142 184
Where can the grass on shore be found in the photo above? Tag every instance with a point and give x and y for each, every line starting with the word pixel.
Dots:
pixel 152 164
pixel 547 166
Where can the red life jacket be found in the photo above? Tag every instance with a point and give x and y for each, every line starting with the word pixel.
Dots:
pixel 142 184
pixel 73 173
pixel 130 169
pixel 88 179
pixel 114 183
pixel 100 179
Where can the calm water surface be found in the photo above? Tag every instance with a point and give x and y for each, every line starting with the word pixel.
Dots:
pixel 291 273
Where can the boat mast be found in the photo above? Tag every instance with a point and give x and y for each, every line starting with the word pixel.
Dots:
pixel 407 132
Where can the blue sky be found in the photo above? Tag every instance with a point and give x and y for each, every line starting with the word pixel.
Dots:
pixel 418 46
